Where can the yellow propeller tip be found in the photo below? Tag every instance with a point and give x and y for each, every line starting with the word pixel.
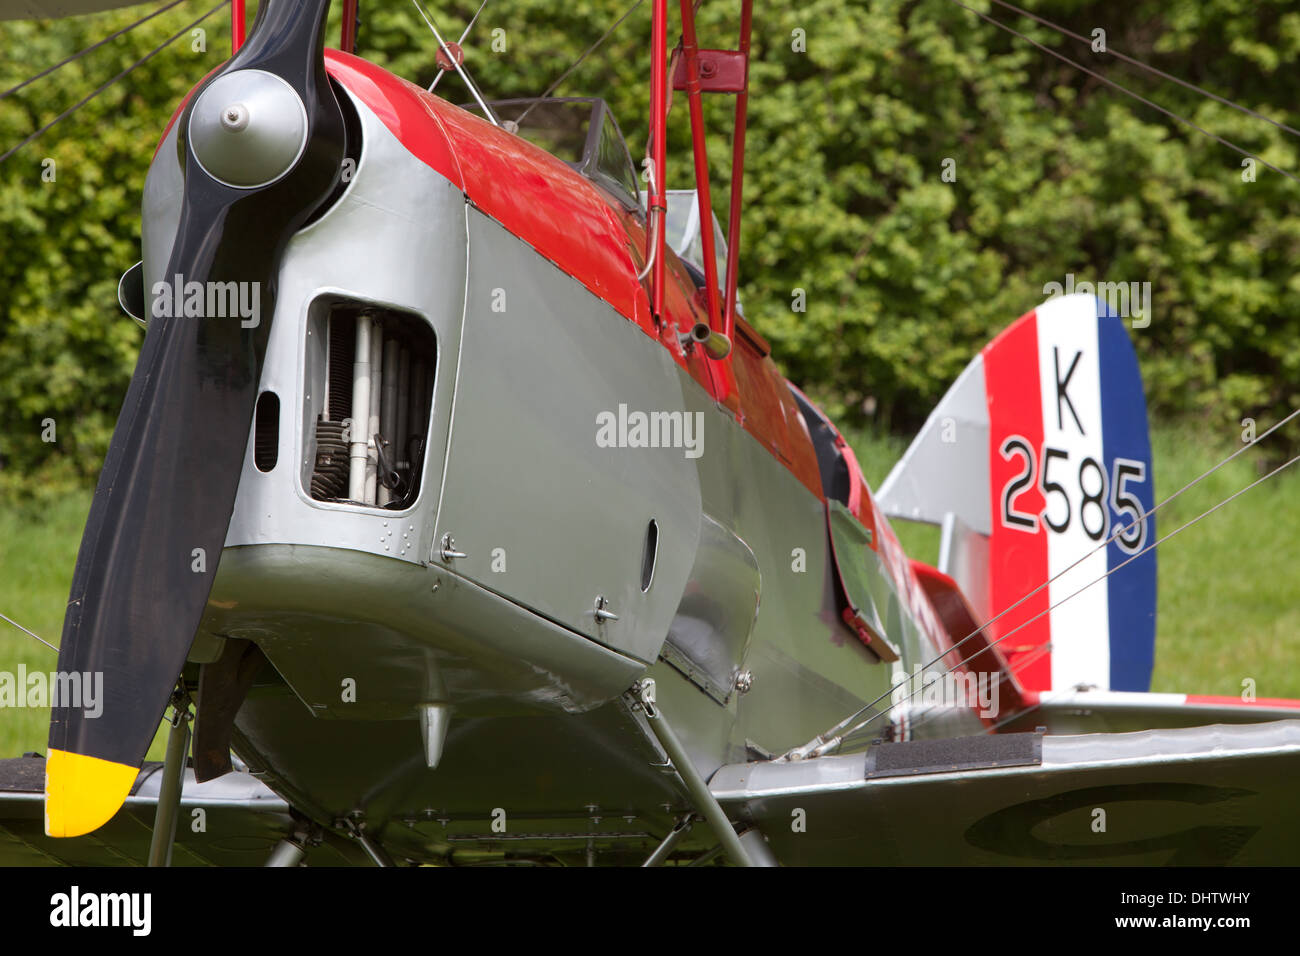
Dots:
pixel 83 793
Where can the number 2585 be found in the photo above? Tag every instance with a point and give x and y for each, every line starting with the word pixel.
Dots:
pixel 1095 490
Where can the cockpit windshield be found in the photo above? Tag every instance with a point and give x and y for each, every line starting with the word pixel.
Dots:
pixel 582 132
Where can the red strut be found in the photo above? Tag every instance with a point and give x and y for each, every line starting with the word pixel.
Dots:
pixel 691 51
pixel 236 25
pixel 737 176
pixel 658 151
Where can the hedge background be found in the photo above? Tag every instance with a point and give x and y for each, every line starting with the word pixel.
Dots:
pixel 905 275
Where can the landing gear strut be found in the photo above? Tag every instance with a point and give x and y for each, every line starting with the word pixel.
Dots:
pixel 173 771
pixel 643 697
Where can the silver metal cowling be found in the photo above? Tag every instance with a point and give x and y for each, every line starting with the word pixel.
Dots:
pixel 248 128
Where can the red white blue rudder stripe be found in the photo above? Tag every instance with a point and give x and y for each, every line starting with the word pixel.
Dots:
pixel 1035 458
pixel 1127 445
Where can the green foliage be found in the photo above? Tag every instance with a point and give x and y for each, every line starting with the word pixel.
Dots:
pixel 66 349
pixel 905 275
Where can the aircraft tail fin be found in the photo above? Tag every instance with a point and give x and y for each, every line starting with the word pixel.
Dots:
pixel 1037 464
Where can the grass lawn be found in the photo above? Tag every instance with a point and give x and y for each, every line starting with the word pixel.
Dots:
pixel 36 562
pixel 1229 605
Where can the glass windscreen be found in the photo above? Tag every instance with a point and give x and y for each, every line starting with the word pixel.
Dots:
pixel 558 126
pixel 564 128
pixel 613 162
pixel 682 232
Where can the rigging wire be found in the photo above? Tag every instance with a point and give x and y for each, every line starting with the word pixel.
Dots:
pixel 140 62
pixel 460 69
pixel 93 46
pixel 1125 90
pixel 834 742
pixel 1111 51
pixel 1011 671
pixel 29 633
pixel 822 738
pixel 926 716
pixel 1008 674
pixel 578 62
pixel 460 43
pixel 929 714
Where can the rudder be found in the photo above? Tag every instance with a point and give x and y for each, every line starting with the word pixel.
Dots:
pixel 1034 458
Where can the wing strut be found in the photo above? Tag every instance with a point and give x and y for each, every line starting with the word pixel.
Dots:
pixel 642 697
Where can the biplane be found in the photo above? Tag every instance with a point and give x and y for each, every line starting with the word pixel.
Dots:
pixel 459 516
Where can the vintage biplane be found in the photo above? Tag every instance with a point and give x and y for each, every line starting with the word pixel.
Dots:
pixel 459 507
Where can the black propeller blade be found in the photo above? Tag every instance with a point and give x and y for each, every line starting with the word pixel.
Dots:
pixel 264 147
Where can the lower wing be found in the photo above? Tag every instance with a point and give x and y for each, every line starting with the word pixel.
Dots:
pixel 1220 794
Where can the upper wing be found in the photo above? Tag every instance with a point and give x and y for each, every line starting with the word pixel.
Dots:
pixel 1198 795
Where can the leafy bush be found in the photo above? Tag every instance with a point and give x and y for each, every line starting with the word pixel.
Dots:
pixel 905 275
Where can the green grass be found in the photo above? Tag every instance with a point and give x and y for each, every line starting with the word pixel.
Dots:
pixel 1229 585
pixel 1229 605
pixel 37 555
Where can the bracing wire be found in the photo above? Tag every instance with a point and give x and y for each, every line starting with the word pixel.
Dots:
pixel 461 42
pixel 28 633
pixel 1111 51
pixel 1012 669
pixel 464 74
pixel 138 63
pixel 1127 92
pixel 578 62
pixel 94 46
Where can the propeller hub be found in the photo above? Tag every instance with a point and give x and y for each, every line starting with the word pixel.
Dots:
pixel 235 117
pixel 248 128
